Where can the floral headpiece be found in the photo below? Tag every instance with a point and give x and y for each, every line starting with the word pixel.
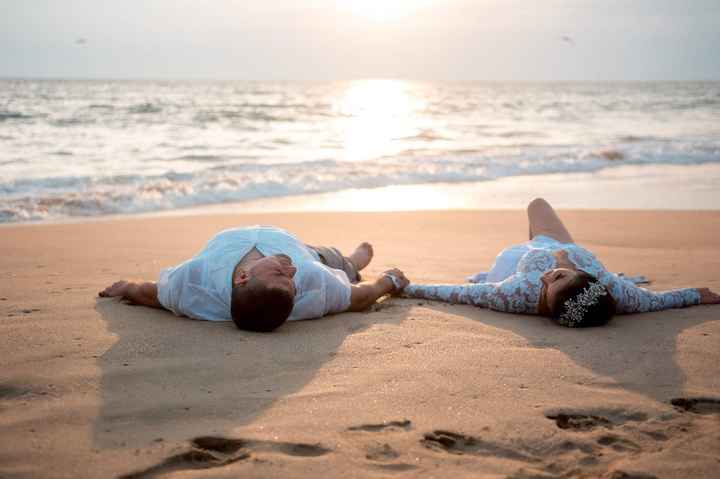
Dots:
pixel 575 308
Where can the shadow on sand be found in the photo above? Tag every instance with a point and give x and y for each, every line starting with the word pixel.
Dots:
pixel 170 379
pixel 637 352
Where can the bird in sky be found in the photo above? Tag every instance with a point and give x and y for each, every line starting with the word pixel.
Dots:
pixel 567 39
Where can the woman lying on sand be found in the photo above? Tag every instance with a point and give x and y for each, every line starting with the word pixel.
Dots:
pixel 552 276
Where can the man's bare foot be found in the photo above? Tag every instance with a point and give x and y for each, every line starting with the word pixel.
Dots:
pixel 362 256
pixel 116 289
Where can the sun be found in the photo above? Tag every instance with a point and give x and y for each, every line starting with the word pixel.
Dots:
pixel 383 11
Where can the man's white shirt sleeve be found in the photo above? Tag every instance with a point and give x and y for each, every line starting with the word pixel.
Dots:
pixel 324 291
pixel 183 290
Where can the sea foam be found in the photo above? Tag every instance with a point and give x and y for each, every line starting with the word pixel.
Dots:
pixel 93 148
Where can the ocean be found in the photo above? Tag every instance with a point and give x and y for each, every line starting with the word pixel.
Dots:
pixel 73 148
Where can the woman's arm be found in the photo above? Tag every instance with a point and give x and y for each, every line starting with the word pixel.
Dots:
pixel 452 293
pixel 631 298
pixel 516 294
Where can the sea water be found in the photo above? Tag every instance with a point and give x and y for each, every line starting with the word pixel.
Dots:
pixel 90 148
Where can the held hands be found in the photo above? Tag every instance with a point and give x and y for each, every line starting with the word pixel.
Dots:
pixel 708 297
pixel 398 280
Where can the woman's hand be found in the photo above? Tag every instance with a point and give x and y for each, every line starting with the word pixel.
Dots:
pixel 398 279
pixel 708 297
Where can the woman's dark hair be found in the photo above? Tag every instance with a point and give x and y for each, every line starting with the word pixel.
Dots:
pixel 255 307
pixel 598 313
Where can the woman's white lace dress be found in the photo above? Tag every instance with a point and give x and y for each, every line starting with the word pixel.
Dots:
pixel 514 282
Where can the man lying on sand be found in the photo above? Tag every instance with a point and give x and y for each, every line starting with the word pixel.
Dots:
pixel 259 277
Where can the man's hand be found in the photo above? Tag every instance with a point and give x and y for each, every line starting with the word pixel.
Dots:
pixel 363 295
pixel 143 294
pixel 116 289
pixel 708 297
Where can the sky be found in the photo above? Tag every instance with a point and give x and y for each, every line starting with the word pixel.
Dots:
pixel 456 40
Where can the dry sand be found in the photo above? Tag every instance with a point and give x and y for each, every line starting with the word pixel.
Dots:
pixel 90 387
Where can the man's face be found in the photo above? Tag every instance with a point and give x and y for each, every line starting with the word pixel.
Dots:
pixel 275 272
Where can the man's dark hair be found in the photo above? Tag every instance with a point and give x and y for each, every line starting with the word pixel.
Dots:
pixel 602 310
pixel 255 307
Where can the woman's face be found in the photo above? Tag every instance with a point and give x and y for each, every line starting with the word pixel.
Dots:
pixel 555 281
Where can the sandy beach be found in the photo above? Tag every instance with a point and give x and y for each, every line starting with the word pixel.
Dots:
pixel 92 388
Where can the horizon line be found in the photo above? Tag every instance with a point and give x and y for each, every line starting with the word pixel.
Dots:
pixel 340 80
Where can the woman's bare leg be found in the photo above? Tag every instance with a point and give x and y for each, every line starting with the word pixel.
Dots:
pixel 544 220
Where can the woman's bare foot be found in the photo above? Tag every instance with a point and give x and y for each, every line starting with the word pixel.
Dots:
pixel 362 256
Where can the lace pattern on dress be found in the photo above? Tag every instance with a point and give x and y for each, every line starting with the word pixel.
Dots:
pixel 629 297
pixel 520 293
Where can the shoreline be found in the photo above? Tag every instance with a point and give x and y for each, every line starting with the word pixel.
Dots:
pixel 625 187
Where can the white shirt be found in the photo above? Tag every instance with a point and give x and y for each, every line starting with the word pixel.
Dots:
pixel 201 287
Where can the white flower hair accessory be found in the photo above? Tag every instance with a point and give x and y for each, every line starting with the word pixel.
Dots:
pixel 575 308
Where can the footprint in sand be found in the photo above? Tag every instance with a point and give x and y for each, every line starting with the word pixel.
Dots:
pixel 227 445
pixel 699 405
pixel 215 451
pixel 12 392
pixel 9 391
pixel 192 459
pixel 581 422
pixel 383 454
pixel 614 433
pixel 397 467
pixel 630 475
pixel 655 435
pixel 618 443
pixel 456 443
pixel 404 425
pixel 590 443
pixel 586 421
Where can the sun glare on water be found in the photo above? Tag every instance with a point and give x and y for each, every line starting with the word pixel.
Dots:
pixel 384 10
pixel 378 113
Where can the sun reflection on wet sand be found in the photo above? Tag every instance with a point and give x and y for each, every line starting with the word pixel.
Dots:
pixel 378 112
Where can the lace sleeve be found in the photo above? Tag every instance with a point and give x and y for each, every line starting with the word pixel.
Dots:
pixel 517 294
pixel 629 297
pixel 634 299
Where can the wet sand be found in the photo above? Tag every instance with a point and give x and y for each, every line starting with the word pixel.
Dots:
pixel 93 388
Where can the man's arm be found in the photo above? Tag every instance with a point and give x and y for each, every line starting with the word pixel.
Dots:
pixel 364 294
pixel 143 294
